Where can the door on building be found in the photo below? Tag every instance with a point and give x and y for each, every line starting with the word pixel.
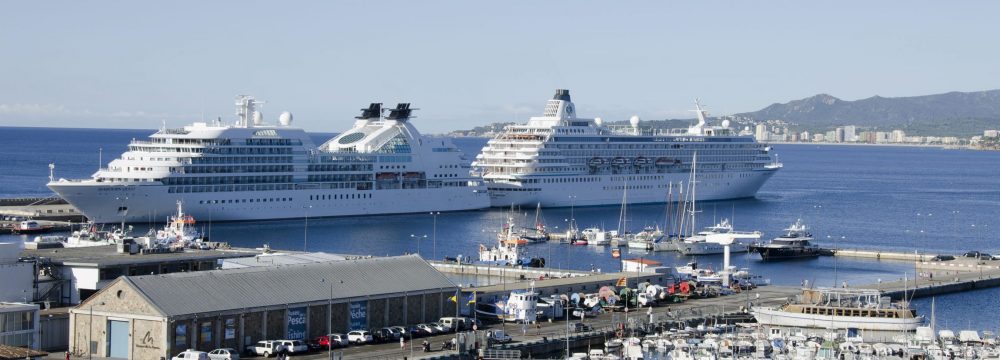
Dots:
pixel 118 339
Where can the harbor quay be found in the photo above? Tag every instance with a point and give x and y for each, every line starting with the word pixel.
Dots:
pixel 157 304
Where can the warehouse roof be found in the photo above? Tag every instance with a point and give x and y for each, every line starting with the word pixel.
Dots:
pixel 223 290
pixel 282 258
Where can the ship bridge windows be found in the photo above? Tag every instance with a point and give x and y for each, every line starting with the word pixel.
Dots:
pixel 396 145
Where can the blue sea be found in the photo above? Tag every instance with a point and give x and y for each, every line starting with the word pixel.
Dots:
pixel 913 199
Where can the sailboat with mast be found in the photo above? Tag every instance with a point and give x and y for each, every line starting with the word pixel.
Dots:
pixel 539 233
pixel 698 244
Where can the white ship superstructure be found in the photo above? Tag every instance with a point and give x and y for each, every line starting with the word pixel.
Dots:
pixel 559 159
pixel 251 170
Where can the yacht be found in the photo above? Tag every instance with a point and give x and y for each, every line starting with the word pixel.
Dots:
pixel 699 245
pixel 252 170
pixel 841 309
pixel 793 244
pixel 559 159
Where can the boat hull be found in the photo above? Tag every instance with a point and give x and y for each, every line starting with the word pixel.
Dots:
pixel 103 203
pixel 707 248
pixel 779 254
pixel 607 189
pixel 775 317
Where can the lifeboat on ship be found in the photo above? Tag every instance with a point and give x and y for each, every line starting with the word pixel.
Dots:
pixel 642 161
pixel 619 161
pixel 665 161
pixel 595 162
pixel 386 176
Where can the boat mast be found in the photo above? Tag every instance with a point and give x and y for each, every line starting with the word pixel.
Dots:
pixel 694 188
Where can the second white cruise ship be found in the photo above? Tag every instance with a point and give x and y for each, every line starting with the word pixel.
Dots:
pixel 559 159
pixel 251 170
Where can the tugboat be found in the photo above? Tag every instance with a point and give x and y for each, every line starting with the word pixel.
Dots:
pixel 793 244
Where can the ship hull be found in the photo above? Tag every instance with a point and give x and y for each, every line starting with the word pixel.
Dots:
pixel 599 190
pixel 778 254
pixel 103 203
pixel 773 317
pixel 705 248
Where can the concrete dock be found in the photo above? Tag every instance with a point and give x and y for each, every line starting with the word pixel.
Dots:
pixel 878 254
pixel 944 277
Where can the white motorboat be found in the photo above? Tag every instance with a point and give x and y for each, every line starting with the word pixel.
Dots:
pixel 860 309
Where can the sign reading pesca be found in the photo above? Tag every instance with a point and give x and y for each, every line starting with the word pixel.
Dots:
pixel 359 315
pixel 296 323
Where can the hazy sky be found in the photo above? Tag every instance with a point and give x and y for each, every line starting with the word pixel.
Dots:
pixel 134 64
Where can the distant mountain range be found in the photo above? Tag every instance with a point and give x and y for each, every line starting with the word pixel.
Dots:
pixel 950 114
pixel 953 113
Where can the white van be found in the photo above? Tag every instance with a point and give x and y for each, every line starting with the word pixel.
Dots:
pixel 457 323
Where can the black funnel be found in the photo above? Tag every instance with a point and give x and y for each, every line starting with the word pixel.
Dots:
pixel 561 94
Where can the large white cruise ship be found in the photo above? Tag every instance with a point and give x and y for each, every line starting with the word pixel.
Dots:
pixel 559 159
pixel 251 170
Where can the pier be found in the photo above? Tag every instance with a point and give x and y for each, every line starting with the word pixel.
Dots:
pixel 50 208
pixel 877 254
pixel 944 277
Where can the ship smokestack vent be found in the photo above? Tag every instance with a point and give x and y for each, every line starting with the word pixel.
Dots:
pixel 374 111
pixel 561 94
pixel 401 112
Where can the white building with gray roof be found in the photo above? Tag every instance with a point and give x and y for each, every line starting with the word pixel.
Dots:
pixel 153 316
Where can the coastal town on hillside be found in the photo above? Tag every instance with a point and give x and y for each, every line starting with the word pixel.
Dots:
pixel 780 131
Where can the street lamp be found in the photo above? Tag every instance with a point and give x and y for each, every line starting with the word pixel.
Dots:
pixel 434 236
pixel 329 322
pixel 418 237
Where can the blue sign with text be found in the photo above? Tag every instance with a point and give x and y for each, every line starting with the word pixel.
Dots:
pixel 296 323
pixel 359 315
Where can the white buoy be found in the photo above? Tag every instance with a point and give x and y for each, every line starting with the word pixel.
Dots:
pixel 285 119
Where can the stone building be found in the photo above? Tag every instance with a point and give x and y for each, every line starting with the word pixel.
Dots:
pixel 153 316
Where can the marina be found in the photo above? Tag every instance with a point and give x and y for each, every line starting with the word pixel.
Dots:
pixel 581 269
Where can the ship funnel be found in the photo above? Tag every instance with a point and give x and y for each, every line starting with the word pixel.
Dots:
pixel 374 111
pixel 562 94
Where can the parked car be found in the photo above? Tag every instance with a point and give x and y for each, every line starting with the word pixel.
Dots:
pixel 440 328
pixel 329 341
pixel 265 348
pixel 943 258
pixel 224 354
pixel 426 329
pixel 581 327
pixel 294 346
pixel 985 256
pixel 397 331
pixel 409 331
pixel 498 336
pixel 460 323
pixel 359 337
pixel 972 254
pixel 383 335
pixel 191 355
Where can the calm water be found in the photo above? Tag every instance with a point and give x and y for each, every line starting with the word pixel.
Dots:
pixel 894 198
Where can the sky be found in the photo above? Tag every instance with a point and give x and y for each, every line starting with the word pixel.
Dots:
pixel 130 64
